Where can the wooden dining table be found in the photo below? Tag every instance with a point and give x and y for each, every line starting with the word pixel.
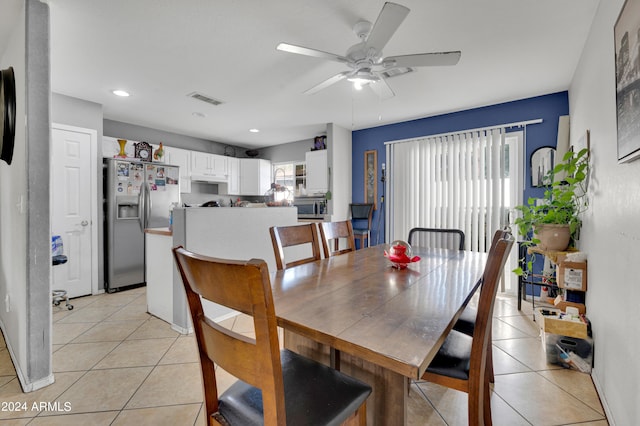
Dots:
pixel 387 324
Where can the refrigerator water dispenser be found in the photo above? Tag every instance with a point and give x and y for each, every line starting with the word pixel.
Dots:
pixel 127 210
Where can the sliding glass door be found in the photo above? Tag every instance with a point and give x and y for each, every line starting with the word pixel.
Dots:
pixel 469 181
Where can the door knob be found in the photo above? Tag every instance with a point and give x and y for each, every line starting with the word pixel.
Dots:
pixel 84 223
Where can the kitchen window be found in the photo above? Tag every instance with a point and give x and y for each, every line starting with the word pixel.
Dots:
pixel 291 175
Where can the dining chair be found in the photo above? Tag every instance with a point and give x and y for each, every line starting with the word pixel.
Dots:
pixel 466 323
pixel 450 239
pixel 361 215
pixel 333 232
pixel 437 238
pixel 274 387
pixel 461 362
pixel 294 235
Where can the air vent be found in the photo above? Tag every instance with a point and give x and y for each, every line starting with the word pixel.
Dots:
pixel 394 72
pixel 204 98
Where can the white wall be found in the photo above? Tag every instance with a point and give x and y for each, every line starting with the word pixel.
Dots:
pixel 25 238
pixel 611 231
pixel 339 162
pixel 13 221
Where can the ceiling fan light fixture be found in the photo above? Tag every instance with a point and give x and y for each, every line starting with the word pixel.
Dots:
pixel 362 78
pixel 121 93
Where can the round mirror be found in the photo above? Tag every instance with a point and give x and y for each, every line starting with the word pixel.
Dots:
pixel 7 114
pixel 542 162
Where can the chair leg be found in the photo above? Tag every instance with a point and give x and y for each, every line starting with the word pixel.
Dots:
pixel 486 410
pixel 489 367
pixel 479 408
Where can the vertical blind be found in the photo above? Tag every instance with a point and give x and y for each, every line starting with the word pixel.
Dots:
pixel 461 180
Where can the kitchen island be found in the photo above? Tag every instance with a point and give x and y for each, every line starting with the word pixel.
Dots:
pixel 159 272
pixel 226 232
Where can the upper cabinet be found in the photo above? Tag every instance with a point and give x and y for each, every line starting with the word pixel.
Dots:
pixel 233 185
pixel 316 168
pixel 255 176
pixel 182 158
pixel 208 167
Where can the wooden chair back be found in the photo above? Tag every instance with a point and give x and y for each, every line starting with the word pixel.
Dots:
pixel 477 383
pixel 245 287
pixel 333 232
pixel 295 235
pixel 437 238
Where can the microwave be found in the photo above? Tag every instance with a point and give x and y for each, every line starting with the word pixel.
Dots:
pixel 311 207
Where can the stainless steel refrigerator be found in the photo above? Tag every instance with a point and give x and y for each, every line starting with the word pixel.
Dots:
pixel 138 195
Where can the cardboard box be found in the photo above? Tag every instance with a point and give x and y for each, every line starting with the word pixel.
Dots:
pixel 569 352
pixel 562 304
pixel 551 323
pixel 572 275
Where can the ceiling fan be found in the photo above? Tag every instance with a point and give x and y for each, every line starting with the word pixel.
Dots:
pixel 366 64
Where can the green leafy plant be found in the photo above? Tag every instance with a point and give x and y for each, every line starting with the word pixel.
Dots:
pixel 562 203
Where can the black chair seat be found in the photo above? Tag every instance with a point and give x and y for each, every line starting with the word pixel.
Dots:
pixel 336 395
pixel 467 321
pixel 58 259
pixel 452 360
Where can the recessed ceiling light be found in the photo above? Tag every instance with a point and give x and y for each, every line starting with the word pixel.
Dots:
pixel 198 114
pixel 254 130
pixel 122 93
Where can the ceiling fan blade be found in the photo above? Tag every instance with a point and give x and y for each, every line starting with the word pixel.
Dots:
pixel 422 60
pixel 382 89
pixel 390 18
pixel 299 50
pixel 328 82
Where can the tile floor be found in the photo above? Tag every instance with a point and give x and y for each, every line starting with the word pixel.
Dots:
pixel 114 364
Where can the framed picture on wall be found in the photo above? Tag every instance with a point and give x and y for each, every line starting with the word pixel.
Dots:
pixel 371 177
pixel 628 81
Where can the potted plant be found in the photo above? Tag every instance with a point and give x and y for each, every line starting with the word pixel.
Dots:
pixel 553 222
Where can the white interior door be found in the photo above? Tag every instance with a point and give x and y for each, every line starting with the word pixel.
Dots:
pixel 71 207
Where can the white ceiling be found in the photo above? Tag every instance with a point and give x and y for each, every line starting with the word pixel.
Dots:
pixel 162 50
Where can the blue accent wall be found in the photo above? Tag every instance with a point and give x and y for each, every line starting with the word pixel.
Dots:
pixel 547 107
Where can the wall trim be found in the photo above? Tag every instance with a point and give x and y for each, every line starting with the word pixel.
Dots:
pixel 603 400
pixel 26 385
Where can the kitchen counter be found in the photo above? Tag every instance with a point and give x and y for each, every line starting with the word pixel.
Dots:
pixel 222 232
pixel 159 231
pixel 327 218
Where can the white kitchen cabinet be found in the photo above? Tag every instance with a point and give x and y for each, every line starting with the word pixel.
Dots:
pixel 233 167
pixel 316 164
pixel 255 176
pixel 182 158
pixel 208 167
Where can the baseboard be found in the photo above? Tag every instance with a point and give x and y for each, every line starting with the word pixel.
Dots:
pixel 38 384
pixel 226 316
pixel 603 400
pixel 189 330
pixel 26 385
pixel 182 330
